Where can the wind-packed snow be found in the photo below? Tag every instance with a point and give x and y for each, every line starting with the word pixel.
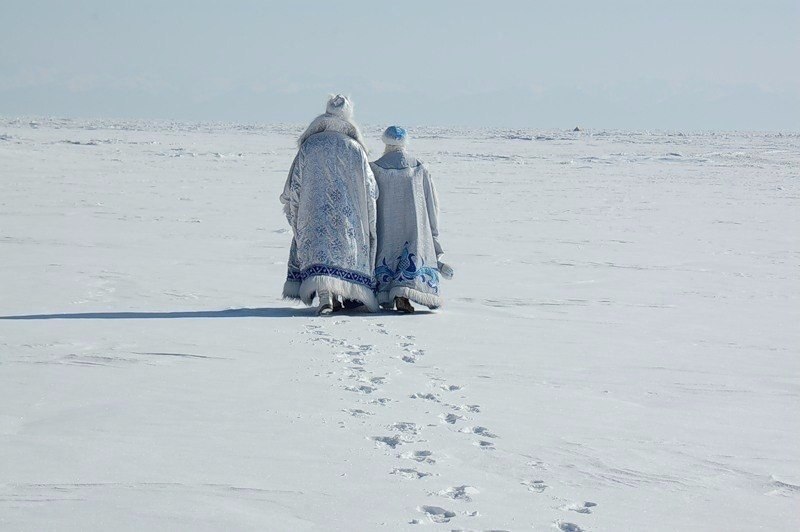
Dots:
pixel 619 349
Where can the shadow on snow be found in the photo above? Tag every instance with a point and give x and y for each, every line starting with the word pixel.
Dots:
pixel 284 312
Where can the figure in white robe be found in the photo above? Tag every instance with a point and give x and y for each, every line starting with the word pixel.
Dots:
pixel 408 261
pixel 329 201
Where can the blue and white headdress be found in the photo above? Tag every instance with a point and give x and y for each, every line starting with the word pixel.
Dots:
pixel 395 136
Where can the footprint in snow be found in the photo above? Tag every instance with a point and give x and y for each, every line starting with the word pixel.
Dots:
pixel 585 508
pixel 450 387
pixel 536 486
pixel 473 409
pixel 357 412
pixel 537 464
pixel 485 445
pixel 381 328
pixel 410 359
pixel 451 418
pixel 363 389
pixel 383 401
pixel 437 514
pixel 410 473
pixel 459 493
pixel 356 352
pixel 426 396
pixel 389 441
pixel 568 527
pixel 325 337
pixel 480 431
pixel 406 427
pixel 315 330
pixel 419 456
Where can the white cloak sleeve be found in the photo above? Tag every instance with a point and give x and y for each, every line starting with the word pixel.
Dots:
pixel 432 202
pixel 290 197
pixel 372 198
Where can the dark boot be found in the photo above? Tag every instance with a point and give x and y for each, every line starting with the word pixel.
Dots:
pixel 351 304
pixel 403 305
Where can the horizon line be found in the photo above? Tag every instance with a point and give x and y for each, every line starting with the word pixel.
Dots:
pixel 300 125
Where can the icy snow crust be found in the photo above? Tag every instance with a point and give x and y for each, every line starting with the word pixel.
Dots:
pixel 618 350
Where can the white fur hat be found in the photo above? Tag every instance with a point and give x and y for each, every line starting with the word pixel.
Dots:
pixel 395 136
pixel 340 105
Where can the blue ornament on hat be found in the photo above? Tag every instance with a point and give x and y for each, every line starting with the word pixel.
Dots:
pixel 395 136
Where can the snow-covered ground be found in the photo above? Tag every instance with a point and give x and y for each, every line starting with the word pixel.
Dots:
pixel 619 349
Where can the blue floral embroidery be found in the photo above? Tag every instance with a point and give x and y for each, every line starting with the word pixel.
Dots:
pixel 407 271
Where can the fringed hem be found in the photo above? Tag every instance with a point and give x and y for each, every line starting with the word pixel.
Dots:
pixel 291 290
pixel 339 287
pixel 431 301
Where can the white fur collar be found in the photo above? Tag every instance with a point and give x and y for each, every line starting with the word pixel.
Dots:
pixel 329 122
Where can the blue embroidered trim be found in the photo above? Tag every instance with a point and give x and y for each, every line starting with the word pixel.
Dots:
pixel 332 271
pixel 407 270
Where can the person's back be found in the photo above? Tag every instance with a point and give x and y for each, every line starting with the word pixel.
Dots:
pixel 407 259
pixel 330 230
pixel 329 200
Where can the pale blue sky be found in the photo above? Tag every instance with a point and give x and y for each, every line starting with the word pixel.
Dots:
pixel 617 64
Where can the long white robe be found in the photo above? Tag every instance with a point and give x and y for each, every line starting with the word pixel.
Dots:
pixel 408 231
pixel 329 200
